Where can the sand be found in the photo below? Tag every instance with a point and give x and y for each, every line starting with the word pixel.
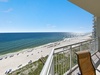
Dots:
pixel 13 61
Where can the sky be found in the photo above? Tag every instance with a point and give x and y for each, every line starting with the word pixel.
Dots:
pixel 43 16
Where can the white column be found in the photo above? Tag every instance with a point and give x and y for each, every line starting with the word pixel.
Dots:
pixel 98 31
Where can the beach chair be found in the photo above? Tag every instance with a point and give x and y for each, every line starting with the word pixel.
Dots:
pixel 85 63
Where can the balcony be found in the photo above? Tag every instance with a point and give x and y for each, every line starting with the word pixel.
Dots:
pixel 63 60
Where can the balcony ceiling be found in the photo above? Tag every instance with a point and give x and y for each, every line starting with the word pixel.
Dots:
pixel 92 6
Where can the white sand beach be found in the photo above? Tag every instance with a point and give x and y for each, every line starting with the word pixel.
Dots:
pixel 13 61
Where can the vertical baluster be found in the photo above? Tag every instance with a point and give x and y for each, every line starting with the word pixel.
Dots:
pixel 96 44
pixel 80 46
pixel 63 62
pixel 52 66
pixel 70 57
pixel 56 62
pixel 90 46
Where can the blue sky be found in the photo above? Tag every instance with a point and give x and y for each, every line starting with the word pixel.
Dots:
pixel 43 16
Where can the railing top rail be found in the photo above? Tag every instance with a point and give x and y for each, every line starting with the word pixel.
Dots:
pixel 46 68
pixel 74 44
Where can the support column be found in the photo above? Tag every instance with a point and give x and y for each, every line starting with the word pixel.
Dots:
pixel 98 31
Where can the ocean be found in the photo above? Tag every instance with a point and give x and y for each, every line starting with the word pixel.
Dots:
pixel 12 42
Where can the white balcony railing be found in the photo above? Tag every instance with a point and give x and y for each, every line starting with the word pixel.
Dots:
pixel 63 60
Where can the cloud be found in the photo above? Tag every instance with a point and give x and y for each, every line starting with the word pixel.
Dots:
pixel 8 10
pixel 81 28
pixel 3 0
pixel 50 26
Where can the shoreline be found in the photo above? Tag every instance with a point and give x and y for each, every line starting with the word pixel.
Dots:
pixel 21 50
pixel 14 60
pixel 26 49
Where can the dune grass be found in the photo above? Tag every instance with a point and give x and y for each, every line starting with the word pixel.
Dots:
pixel 30 69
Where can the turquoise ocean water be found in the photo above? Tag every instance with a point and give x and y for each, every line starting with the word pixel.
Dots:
pixel 11 42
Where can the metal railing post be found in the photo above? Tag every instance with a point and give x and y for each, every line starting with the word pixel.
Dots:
pixel 96 44
pixel 90 46
pixel 52 67
pixel 70 57
pixel 80 46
